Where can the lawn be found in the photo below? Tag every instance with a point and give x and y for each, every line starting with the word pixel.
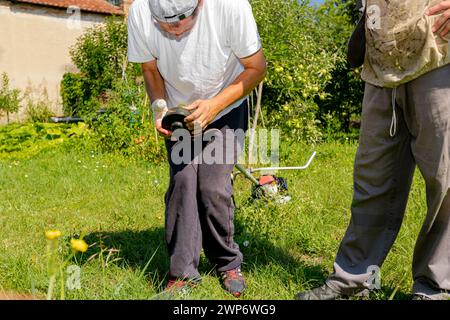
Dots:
pixel 117 205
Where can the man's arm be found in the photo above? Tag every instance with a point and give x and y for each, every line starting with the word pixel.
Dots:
pixel 154 84
pixel 255 67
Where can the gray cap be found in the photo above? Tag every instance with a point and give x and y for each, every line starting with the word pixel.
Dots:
pixel 171 11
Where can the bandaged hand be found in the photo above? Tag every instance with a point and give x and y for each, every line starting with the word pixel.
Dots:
pixel 159 109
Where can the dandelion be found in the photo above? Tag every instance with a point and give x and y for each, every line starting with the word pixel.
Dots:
pixel 79 245
pixel 52 234
pixel 52 264
pixel 246 243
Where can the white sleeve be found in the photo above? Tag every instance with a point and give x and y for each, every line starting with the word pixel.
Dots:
pixel 244 36
pixel 138 47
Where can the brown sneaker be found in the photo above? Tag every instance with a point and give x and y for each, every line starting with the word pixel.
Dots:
pixel 177 286
pixel 233 281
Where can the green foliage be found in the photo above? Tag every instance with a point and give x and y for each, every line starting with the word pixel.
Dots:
pixel 345 102
pixel 107 83
pixel 101 56
pixel 125 127
pixel 344 93
pixel 298 121
pixel 74 93
pixel 37 108
pixel 308 75
pixel 19 140
pixel 9 98
pixel 298 63
pixel 349 8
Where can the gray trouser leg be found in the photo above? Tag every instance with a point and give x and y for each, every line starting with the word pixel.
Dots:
pixel 382 177
pixel 182 224
pixel 199 209
pixel 430 124
pixel 217 215
pixel 383 172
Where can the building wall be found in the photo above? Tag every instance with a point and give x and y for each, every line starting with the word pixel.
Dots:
pixel 34 47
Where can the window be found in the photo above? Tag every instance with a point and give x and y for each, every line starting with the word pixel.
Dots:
pixel 116 3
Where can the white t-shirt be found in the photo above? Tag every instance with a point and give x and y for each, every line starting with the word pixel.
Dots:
pixel 203 62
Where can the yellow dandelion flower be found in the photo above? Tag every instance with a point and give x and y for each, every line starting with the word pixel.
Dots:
pixel 79 245
pixel 52 234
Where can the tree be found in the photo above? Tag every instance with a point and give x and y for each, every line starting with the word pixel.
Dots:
pixel 9 98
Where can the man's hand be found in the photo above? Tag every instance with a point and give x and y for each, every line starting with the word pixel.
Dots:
pixel 203 113
pixel 443 21
pixel 161 130
pixel 159 109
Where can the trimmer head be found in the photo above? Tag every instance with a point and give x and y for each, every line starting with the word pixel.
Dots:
pixel 271 187
pixel 174 119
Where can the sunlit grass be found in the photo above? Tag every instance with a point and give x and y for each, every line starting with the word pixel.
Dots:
pixel 117 205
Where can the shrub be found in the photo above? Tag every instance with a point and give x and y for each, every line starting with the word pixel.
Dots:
pixel 344 97
pixel 299 65
pixel 9 98
pixel 74 93
pixel 24 140
pixel 307 69
pixel 344 93
pixel 37 107
pixel 126 126
pixel 298 121
pixel 107 82
pixel 101 56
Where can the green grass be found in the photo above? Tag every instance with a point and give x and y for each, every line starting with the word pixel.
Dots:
pixel 117 204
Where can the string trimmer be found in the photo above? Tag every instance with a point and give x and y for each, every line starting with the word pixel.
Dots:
pixel 270 186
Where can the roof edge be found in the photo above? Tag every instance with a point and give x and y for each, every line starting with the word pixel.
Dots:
pixel 112 10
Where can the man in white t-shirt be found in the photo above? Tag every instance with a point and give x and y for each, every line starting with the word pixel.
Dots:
pixel 205 54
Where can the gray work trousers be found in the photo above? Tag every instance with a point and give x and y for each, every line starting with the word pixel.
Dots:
pixel 400 128
pixel 199 207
